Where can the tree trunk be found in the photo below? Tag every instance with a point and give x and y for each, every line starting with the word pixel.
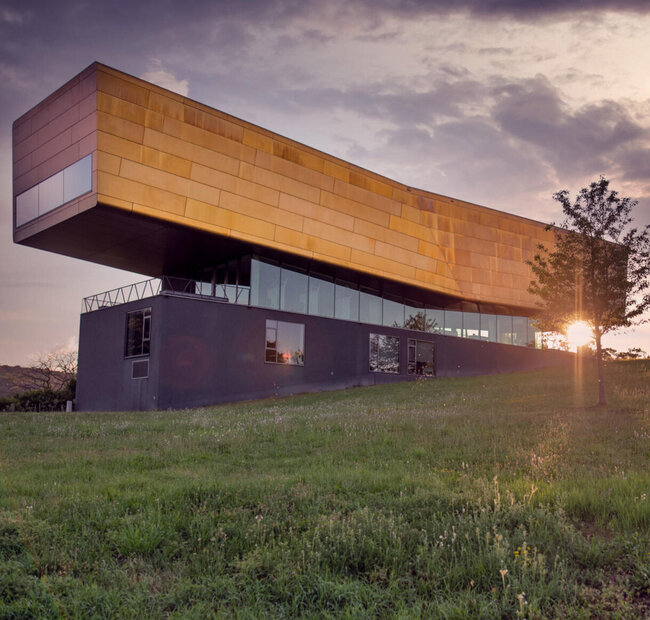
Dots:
pixel 601 369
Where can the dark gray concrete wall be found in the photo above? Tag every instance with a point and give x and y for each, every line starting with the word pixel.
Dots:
pixel 205 352
pixel 104 377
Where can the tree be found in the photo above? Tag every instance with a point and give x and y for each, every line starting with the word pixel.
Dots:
pixel 599 269
pixel 633 353
pixel 420 321
pixel 51 371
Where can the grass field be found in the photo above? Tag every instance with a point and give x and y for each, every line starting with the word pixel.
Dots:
pixel 502 496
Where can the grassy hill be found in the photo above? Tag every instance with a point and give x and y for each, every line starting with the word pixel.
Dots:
pixel 502 496
pixel 12 379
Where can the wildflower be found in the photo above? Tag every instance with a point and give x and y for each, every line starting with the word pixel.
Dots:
pixel 503 572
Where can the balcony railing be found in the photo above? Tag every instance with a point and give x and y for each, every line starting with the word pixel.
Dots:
pixel 166 285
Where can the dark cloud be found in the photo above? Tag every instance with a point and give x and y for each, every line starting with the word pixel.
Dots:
pixel 395 101
pixel 496 51
pixel 635 164
pixel 515 9
pixel 594 137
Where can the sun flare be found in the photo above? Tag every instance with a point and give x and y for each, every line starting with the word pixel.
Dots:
pixel 578 334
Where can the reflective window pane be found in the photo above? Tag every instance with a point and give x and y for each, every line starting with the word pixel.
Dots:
pixel 243 295
pixel 369 308
pixel 384 353
pixel 489 327
pixel 421 358
pixel 504 329
pixel 231 293
pixel 27 206
pixel 138 333
pixel 453 323
pixel 435 320
pixel 50 193
pixel 293 291
pixel 78 179
pixel 347 302
pixel 471 325
pixel 416 318
pixel 285 343
pixel 519 330
pixel 265 285
pixel 533 335
pixel 393 313
pixel 321 297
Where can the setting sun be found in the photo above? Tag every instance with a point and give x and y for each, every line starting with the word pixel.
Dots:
pixel 578 334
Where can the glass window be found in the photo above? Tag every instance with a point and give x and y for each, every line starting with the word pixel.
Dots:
pixel 533 335
pixel 231 292
pixel 436 320
pixel 416 318
pixel 138 332
pixel 346 302
pixel 203 288
pixel 50 193
pixel 384 353
pixel 293 291
pixel 285 343
pixel 519 330
pixel 489 327
pixel 421 360
pixel 504 329
pixel 393 313
pixel 265 285
pixel 370 307
pixel 471 325
pixel 27 206
pixel 453 323
pixel 78 179
pixel 243 295
pixel 321 297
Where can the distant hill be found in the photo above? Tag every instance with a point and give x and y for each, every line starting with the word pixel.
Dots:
pixel 17 379
pixel 13 379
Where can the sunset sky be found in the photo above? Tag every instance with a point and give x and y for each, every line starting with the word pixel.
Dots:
pixel 500 103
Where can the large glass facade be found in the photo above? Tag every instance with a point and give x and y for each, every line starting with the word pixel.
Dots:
pixel 265 285
pixel 504 329
pixel 453 323
pixel 393 313
pixel 321 296
pixel 268 285
pixel 471 325
pixel 293 291
pixel 489 327
pixel 370 307
pixel 346 301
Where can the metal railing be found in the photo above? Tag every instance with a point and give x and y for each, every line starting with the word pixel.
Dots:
pixel 165 285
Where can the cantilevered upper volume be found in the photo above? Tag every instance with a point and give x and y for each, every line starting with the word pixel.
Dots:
pixel 115 170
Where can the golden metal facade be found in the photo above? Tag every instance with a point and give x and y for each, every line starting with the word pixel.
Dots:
pixel 162 155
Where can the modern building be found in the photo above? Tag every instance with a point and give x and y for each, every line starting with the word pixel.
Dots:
pixel 275 268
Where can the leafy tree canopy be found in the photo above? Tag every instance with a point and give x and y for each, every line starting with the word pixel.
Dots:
pixel 599 269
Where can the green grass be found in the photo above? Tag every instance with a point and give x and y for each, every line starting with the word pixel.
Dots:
pixel 408 500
